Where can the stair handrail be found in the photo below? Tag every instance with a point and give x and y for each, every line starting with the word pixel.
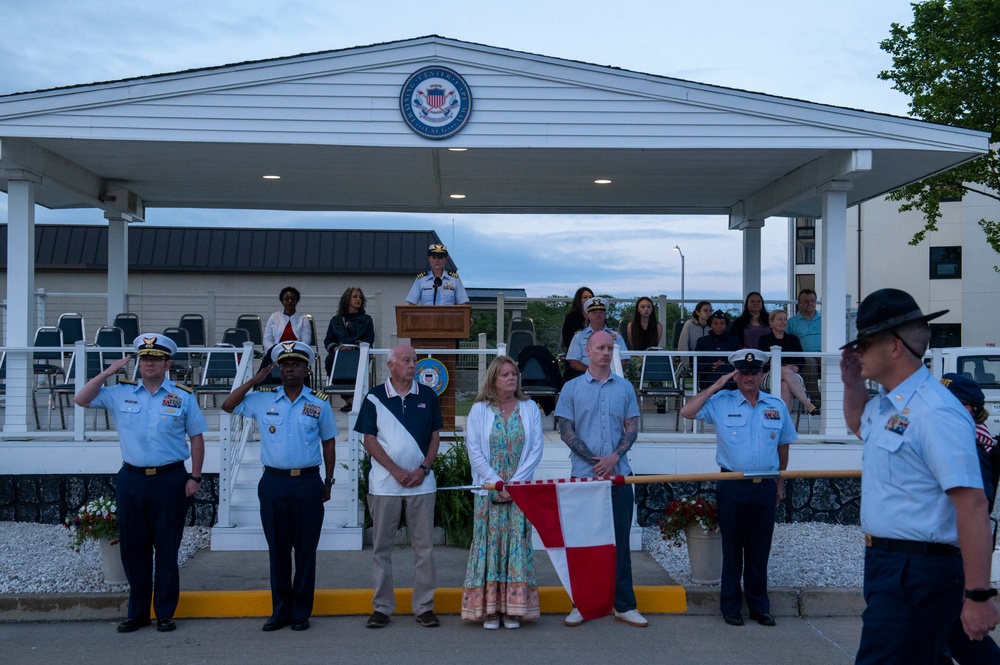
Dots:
pixel 234 432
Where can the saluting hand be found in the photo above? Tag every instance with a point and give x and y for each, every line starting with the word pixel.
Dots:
pixel 118 364
pixel 850 367
pixel 262 373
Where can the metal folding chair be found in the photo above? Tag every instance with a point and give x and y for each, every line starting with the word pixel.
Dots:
pixel 659 379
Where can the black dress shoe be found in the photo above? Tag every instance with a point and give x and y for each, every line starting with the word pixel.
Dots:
pixel 763 618
pixel 733 619
pixel 132 625
pixel 165 625
pixel 301 625
pixel 273 624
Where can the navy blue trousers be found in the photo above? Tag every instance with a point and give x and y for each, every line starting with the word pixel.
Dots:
pixel 746 520
pixel 622 505
pixel 151 511
pixel 969 652
pixel 912 602
pixel 291 512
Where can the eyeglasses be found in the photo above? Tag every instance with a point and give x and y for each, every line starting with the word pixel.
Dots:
pixel 751 372
pixel 289 299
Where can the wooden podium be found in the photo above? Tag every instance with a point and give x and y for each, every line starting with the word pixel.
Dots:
pixel 436 328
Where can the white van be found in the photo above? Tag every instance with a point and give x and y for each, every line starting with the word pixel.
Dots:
pixel 980 363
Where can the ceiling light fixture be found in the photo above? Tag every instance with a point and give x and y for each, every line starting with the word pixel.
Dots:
pixel 457 149
pixel 272 177
pixel 457 196
pixel 602 181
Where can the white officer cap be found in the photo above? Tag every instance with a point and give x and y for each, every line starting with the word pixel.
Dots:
pixel 154 344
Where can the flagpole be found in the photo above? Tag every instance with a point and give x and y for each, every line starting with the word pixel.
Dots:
pixel 708 477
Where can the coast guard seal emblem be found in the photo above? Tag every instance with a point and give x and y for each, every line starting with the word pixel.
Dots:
pixel 432 373
pixel 435 102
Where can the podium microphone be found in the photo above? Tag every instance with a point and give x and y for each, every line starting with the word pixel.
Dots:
pixel 437 283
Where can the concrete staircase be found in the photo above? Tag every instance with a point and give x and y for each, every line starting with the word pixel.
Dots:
pixel 246 532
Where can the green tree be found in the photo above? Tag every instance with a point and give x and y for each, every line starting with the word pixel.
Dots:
pixel 948 62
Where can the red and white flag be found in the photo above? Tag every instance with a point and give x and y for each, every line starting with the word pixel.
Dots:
pixel 575 521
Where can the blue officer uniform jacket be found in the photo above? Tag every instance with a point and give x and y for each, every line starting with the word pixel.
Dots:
pixel 152 428
pixel 291 433
pixel 577 347
pixel 748 436
pixel 598 411
pixel 451 291
pixel 919 443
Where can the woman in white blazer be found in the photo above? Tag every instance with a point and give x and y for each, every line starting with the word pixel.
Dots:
pixel 504 439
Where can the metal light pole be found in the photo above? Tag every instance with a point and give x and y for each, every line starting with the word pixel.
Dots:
pixel 683 311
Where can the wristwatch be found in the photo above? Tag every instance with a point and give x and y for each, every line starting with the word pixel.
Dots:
pixel 196 479
pixel 330 481
pixel 980 595
pixel 427 470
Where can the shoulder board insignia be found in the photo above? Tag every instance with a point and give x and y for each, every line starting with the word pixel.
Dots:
pixel 453 274
pixel 422 275
pixel 129 382
pixel 321 395
pixel 187 389
pixel 264 389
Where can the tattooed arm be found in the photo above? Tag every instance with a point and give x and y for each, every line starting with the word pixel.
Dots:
pixel 567 431
pixel 605 466
pixel 629 436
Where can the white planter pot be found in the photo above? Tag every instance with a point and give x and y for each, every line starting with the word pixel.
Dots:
pixel 111 562
pixel 704 554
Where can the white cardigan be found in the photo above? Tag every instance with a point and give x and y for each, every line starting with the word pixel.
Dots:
pixel 276 325
pixel 477 440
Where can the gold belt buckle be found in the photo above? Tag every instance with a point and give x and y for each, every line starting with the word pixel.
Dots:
pixel 150 472
pixel 295 472
pixel 868 540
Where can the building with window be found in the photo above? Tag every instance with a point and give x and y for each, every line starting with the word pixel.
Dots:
pixel 953 268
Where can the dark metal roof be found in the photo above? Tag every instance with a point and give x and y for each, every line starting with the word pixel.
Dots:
pixel 227 250
pixel 490 295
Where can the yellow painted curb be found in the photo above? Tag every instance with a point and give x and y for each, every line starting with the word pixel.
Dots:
pixel 344 602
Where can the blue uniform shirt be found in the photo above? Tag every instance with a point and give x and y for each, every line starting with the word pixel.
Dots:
pixel 920 442
pixel 810 333
pixel 451 291
pixel 291 433
pixel 152 427
pixel 577 347
pixel 598 411
pixel 747 437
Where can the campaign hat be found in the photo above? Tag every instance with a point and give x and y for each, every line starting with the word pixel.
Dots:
pixel 887 309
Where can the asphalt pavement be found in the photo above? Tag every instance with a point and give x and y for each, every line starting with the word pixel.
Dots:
pixel 225 599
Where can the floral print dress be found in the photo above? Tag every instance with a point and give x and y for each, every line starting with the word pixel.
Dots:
pixel 500 577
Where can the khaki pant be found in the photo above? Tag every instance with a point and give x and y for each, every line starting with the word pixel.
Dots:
pixel 385 512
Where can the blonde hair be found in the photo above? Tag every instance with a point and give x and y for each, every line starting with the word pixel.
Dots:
pixel 775 313
pixel 488 392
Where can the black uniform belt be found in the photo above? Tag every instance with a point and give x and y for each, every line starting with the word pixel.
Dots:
pixel 152 470
pixel 305 471
pixel 911 546
pixel 741 480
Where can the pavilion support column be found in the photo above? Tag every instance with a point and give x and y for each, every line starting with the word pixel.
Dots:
pixel 834 296
pixel 20 296
pixel 751 256
pixel 117 265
